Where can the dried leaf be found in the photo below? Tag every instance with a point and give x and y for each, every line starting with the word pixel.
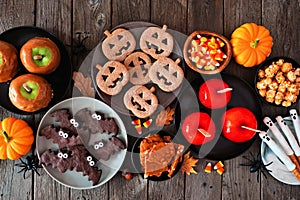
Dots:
pixel 165 117
pixel 189 162
pixel 83 84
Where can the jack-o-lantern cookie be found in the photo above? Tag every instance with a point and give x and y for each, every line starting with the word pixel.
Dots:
pixel 157 42
pixel 112 77
pixel 141 101
pixel 166 74
pixel 138 65
pixel 118 44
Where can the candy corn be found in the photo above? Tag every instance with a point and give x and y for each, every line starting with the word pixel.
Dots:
pixel 218 165
pixel 220 170
pixel 208 168
pixel 138 128
pixel 136 122
pixel 147 123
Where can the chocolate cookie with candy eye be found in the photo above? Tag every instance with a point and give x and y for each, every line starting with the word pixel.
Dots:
pixel 157 42
pixel 112 77
pixel 118 44
pixel 141 101
pixel 40 55
pixel 30 92
pixel 8 61
pixel 138 65
pixel 166 74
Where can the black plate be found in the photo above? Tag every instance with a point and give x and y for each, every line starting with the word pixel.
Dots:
pixel 267 63
pixel 116 101
pixel 135 156
pixel 242 95
pixel 60 79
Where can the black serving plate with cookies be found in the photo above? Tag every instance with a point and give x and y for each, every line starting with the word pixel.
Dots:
pixel 116 101
pixel 20 35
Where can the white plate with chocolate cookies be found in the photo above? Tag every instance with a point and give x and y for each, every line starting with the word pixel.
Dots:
pixel 81 142
pixel 137 46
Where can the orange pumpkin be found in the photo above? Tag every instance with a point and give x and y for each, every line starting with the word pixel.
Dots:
pixel 251 44
pixel 16 138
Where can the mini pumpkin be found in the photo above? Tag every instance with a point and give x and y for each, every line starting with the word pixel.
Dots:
pixel 251 44
pixel 157 42
pixel 141 101
pixel 166 74
pixel 118 44
pixel 16 138
pixel 112 77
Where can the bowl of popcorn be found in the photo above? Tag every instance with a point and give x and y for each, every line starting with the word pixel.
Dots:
pixel 207 52
pixel 277 81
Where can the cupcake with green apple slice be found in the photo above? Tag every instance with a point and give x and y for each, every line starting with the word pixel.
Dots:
pixel 8 61
pixel 40 55
pixel 30 92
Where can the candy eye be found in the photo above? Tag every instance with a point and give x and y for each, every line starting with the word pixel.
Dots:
pixel 75 124
pixel 95 116
pixel 99 145
pixel 92 163
pixel 65 155
pixel 60 155
pixel 60 133
pixel 89 158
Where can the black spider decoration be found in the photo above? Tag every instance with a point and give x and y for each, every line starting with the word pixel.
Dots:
pixel 78 46
pixel 256 165
pixel 30 163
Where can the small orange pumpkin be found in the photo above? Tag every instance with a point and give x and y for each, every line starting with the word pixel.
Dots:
pixel 251 44
pixel 16 138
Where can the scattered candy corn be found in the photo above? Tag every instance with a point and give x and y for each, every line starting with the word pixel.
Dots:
pixel 220 170
pixel 147 123
pixel 208 168
pixel 138 128
pixel 136 122
pixel 218 165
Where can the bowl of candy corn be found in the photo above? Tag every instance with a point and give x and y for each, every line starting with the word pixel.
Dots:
pixel 207 52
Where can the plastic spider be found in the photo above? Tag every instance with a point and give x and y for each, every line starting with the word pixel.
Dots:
pixel 30 163
pixel 78 46
pixel 256 165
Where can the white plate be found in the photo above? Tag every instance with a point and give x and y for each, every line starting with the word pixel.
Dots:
pixel 279 170
pixel 109 168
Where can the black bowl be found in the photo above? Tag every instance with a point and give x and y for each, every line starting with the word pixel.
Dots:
pixel 264 65
pixel 135 157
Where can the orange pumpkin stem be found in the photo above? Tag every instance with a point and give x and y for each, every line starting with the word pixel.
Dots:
pixel 6 137
pixel 254 43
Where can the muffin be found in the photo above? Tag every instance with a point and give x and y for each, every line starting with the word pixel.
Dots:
pixel 40 55
pixel 8 61
pixel 30 92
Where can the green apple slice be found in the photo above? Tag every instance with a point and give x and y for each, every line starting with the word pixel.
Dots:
pixel 29 90
pixel 41 56
pixel 1 60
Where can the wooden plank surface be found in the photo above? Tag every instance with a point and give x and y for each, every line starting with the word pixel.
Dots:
pixel 15 13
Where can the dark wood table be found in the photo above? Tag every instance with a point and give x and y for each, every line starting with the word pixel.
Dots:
pixel 68 19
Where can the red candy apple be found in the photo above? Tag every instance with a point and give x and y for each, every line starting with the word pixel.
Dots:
pixel 214 93
pixel 198 128
pixel 234 121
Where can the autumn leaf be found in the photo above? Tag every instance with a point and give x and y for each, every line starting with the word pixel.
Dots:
pixel 83 84
pixel 189 162
pixel 165 117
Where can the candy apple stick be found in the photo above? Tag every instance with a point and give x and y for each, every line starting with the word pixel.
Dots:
pixel 280 154
pixel 282 141
pixel 224 90
pixel 251 129
pixel 289 135
pixel 296 122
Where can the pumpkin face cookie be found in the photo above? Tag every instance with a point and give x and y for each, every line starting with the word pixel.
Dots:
pixel 157 42
pixel 118 44
pixel 138 65
pixel 166 74
pixel 141 101
pixel 112 77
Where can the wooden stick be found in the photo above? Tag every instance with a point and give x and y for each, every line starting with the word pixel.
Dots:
pixel 251 129
pixel 28 89
pixel 37 57
pixel 204 132
pixel 224 90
